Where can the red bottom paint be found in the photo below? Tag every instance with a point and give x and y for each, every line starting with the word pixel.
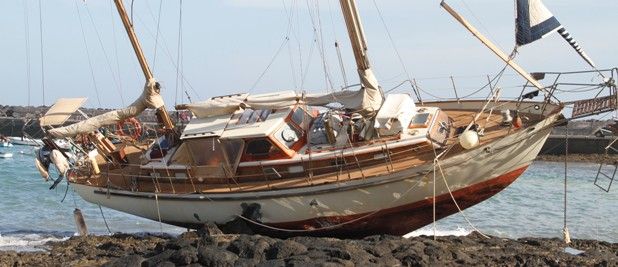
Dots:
pixel 398 220
pixel 394 221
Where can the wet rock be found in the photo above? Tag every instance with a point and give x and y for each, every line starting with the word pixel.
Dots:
pixel 165 264
pixel 216 257
pixel 159 258
pixel 179 243
pixel 184 256
pixel 250 247
pixel 284 249
pixel 272 263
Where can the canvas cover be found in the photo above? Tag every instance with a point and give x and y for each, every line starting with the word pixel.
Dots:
pixel 205 127
pixel 61 111
pixel 396 115
pixel 365 101
pixel 150 98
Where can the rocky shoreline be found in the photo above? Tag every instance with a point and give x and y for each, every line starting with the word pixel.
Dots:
pixel 590 158
pixel 209 247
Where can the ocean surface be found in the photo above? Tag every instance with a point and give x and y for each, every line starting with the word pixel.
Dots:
pixel 31 214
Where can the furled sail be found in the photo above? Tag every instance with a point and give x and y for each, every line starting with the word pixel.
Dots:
pixel 534 21
pixel 353 100
pixel 150 98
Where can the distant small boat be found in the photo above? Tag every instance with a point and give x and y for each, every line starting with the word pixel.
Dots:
pixel 5 144
pixel 25 141
pixel 6 155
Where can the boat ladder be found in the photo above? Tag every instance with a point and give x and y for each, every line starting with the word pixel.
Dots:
pixel 601 173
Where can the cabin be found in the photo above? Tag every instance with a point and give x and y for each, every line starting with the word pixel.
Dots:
pixel 286 142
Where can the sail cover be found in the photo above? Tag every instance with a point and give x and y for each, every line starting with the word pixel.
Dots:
pixel 363 100
pixel 534 21
pixel 61 111
pixel 150 98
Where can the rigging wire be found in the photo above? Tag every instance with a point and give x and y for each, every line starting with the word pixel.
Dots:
pixel 42 57
pixel 156 45
pixel 179 58
pixel 390 37
pixel 272 60
pixel 27 39
pixel 337 48
pixel 481 23
pixel 94 81
pixel 290 13
pixel 167 52
pixel 316 23
pixel 109 65
pixel 113 23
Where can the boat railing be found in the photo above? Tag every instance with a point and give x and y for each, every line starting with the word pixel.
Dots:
pixel 344 168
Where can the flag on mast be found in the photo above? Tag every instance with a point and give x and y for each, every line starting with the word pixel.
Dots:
pixel 534 21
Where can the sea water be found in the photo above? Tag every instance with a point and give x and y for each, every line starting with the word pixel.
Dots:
pixel 31 214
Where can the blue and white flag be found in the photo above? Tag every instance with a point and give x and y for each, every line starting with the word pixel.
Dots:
pixel 534 21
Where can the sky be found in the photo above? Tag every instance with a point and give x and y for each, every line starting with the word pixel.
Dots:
pixel 259 46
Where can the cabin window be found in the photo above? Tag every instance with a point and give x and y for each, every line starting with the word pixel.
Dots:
pixel 261 148
pixel 206 151
pixel 301 118
pixel 250 116
pixel 233 149
pixel 288 135
pixel 298 116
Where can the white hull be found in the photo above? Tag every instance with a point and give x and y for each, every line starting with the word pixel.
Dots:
pixel 341 200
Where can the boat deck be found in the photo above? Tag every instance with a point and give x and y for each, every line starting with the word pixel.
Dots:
pixel 359 167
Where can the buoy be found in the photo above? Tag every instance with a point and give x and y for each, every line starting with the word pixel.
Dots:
pixel 42 170
pixel 80 223
pixel 60 161
pixel 469 139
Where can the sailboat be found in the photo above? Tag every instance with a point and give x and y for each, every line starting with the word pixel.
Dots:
pixel 289 163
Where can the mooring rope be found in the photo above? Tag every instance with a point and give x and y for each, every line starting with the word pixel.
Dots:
pixel 104 220
pixel 456 204
pixel 565 229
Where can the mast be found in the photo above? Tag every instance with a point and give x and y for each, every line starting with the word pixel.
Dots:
pixel 372 99
pixel 492 47
pixel 162 114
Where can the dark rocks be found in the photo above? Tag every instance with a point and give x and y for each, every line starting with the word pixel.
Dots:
pixel 127 261
pixel 184 256
pixel 250 247
pixel 215 257
pixel 284 249
pixel 209 247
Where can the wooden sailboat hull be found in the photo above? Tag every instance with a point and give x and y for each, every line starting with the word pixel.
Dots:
pixel 394 203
